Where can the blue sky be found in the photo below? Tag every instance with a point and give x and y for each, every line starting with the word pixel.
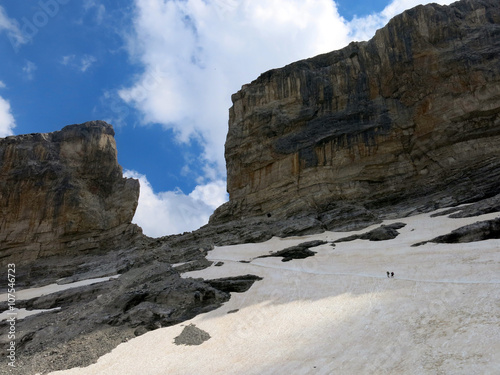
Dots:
pixel 162 72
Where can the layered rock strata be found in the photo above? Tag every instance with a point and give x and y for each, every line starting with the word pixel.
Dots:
pixel 63 193
pixel 413 116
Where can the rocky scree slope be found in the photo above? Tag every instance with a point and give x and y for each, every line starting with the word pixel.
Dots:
pixel 408 120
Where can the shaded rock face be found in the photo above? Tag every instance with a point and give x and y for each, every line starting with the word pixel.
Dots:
pixel 412 115
pixel 63 193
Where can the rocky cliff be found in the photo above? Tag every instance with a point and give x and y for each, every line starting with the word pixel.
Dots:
pixel 63 193
pixel 411 116
pixel 405 122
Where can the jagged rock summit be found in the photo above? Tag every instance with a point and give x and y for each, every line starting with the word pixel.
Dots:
pixel 409 118
pixel 62 193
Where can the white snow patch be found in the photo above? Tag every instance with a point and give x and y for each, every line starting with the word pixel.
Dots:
pixel 27 294
pixel 23 313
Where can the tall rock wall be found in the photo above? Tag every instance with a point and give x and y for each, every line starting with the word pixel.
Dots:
pixel 413 115
pixel 63 193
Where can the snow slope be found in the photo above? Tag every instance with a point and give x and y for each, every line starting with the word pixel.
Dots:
pixel 338 313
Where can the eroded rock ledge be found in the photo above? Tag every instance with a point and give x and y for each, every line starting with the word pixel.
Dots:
pixel 411 117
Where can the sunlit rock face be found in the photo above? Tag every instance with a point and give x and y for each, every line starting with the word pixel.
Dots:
pixel 63 192
pixel 413 115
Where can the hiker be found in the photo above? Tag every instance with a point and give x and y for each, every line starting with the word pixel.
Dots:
pixel 388 274
pixel 392 274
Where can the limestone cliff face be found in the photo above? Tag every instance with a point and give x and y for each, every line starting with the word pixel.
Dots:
pixel 63 192
pixel 411 115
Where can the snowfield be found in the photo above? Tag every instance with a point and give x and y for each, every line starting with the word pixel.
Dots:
pixel 338 313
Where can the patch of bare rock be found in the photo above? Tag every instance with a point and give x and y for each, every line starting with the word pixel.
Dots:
pixel 382 233
pixel 191 335
pixel 300 251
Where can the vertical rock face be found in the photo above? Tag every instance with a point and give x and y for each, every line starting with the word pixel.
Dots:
pixel 411 115
pixel 62 192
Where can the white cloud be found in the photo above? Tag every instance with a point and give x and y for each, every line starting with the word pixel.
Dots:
pixel 196 53
pixel 171 212
pixel 212 194
pixel 14 34
pixel 5 22
pixel 7 122
pixel 98 9
pixel 82 64
pixel 29 69
pixel 2 85
pixel 67 60
pixel 86 62
pixel 364 28
pixel 399 6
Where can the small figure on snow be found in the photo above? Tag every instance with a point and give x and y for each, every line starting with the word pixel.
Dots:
pixel 392 274
pixel 388 274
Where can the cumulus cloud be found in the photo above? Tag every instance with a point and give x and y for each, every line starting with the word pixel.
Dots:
pixel 171 212
pixel 196 53
pixel 7 122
